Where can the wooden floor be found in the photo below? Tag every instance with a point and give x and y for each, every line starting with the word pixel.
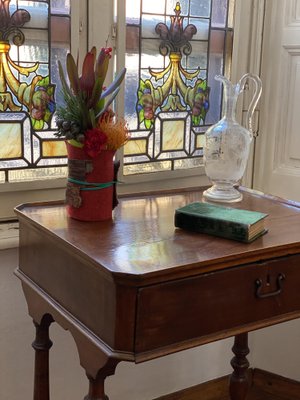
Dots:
pixel 263 386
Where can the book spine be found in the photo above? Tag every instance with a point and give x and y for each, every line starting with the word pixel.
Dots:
pixel 202 224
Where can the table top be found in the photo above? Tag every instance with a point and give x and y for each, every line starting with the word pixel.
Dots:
pixel 140 288
pixel 141 242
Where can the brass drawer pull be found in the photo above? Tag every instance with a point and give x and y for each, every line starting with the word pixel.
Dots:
pixel 259 284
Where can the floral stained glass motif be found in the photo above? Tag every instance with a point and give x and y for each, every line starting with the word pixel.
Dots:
pixel 173 51
pixel 33 35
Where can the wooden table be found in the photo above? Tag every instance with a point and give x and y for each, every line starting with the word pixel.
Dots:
pixel 136 288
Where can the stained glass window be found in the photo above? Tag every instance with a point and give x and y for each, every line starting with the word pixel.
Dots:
pixel 33 36
pixel 173 52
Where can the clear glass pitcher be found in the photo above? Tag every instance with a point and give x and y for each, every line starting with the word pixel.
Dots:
pixel 227 143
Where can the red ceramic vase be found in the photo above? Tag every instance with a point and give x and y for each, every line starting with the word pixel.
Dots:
pixel 96 205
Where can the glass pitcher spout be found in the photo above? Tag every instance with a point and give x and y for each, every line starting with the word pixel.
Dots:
pixel 227 143
pixel 231 93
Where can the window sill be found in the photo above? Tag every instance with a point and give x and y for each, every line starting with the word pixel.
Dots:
pixel 33 185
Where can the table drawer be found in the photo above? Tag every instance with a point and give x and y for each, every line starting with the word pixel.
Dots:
pixel 217 302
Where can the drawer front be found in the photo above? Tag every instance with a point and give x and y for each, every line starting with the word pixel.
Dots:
pixel 215 303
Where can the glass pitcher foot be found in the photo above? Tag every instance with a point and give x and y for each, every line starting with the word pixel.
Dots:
pixel 226 194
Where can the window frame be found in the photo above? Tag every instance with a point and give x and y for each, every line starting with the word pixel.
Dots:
pixel 13 193
pixel 243 27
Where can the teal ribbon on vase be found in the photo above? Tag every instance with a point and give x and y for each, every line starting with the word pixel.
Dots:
pixel 96 186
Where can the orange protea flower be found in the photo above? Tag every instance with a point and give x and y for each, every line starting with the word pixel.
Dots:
pixel 117 132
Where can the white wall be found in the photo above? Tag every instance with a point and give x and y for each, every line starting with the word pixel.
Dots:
pixel 131 382
pixel 276 349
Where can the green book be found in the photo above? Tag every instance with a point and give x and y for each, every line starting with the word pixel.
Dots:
pixel 227 222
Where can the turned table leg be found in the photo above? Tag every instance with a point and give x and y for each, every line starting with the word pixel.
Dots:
pixel 239 385
pixel 41 345
pixel 96 389
pixel 96 382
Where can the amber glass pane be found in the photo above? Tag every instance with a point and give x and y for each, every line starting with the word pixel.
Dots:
pixel 138 146
pixel 173 135
pixel 10 140
pixel 54 149
pixel 200 141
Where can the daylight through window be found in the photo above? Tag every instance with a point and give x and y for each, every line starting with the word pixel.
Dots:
pixel 173 52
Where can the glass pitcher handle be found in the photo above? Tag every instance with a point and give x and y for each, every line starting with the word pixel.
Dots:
pixel 254 101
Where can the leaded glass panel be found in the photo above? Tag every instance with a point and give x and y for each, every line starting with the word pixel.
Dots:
pixel 33 36
pixel 173 52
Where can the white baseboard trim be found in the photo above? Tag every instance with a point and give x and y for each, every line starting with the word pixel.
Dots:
pixel 9 235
